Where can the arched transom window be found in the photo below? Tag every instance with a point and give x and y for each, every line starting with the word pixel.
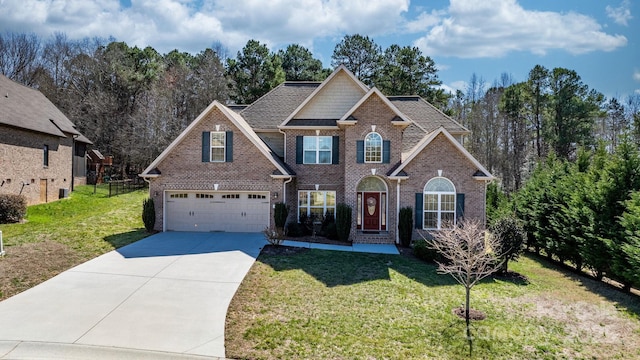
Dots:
pixel 439 204
pixel 373 148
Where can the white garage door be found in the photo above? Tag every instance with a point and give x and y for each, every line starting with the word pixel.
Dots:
pixel 219 211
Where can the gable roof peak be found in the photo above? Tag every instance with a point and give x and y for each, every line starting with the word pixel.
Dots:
pixel 239 122
pixel 341 69
pixel 400 116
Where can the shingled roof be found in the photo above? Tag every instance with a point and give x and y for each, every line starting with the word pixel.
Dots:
pixel 29 109
pixel 426 117
pixel 271 109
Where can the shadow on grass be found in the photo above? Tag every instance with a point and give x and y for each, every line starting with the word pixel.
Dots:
pixel 335 268
pixel 126 238
pixel 624 301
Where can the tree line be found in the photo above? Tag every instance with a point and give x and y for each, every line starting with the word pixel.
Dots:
pixel 132 102
pixel 584 211
pixel 514 125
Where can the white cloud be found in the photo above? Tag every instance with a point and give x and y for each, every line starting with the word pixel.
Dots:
pixel 423 21
pixel 636 75
pixel 193 25
pixel 454 86
pixel 621 14
pixel 493 28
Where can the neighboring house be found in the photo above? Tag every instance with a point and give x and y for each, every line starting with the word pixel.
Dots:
pixel 313 145
pixel 42 155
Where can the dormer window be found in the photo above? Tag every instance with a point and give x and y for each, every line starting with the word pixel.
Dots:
pixel 373 148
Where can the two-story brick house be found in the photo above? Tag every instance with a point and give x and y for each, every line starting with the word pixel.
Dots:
pixel 313 145
pixel 41 151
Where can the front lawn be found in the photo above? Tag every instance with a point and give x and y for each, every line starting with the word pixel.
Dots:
pixel 61 234
pixel 314 304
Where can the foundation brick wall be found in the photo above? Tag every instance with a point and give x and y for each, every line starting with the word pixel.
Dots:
pixel 21 161
pixel 183 168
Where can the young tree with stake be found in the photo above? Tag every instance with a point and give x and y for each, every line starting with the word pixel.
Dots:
pixel 469 256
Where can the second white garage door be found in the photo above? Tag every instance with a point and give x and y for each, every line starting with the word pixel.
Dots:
pixel 216 211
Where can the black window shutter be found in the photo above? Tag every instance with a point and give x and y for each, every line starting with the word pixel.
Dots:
pixel 228 147
pixel 335 151
pixel 45 151
pixel 299 149
pixel 360 151
pixel 419 210
pixel 206 146
pixel 386 151
pixel 459 206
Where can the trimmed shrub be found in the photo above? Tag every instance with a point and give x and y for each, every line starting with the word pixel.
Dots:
pixel 281 212
pixel 331 231
pixel 405 226
pixel 511 236
pixel 12 208
pixel 295 229
pixel 343 221
pixel 148 214
pixel 423 251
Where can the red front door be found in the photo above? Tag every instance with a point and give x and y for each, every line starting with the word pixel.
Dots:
pixel 371 211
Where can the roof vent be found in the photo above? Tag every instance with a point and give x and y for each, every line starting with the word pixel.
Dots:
pixel 7 96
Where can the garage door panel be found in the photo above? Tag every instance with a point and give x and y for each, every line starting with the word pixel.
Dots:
pixel 217 211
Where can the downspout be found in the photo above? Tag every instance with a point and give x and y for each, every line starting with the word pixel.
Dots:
pixel 486 183
pixel 284 189
pixel 148 182
pixel 73 160
pixel 397 211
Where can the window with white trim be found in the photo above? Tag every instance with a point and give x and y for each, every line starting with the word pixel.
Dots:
pixel 218 146
pixel 439 204
pixel 316 203
pixel 317 149
pixel 373 148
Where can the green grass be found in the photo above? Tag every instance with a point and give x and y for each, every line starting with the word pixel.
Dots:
pixel 89 223
pixel 59 235
pixel 333 305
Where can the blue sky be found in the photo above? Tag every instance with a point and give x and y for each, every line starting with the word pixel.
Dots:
pixel 597 38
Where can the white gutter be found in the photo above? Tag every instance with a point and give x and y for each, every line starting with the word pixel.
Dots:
pixel 284 190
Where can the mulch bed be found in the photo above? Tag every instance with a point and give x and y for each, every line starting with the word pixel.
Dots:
pixel 513 277
pixel 282 250
pixel 473 314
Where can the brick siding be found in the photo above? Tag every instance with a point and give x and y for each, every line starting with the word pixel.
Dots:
pixel 440 154
pixel 21 161
pixel 183 168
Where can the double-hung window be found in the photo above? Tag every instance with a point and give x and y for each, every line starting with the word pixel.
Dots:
pixel 217 146
pixel 316 204
pixel 317 149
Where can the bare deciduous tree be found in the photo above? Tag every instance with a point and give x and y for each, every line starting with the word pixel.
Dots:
pixel 469 256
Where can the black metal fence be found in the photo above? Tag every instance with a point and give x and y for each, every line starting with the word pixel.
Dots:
pixel 117 187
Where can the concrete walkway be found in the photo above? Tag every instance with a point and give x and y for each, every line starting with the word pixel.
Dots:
pixel 160 297
pixel 364 248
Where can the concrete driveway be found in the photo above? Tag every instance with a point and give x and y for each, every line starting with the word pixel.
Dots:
pixel 165 296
